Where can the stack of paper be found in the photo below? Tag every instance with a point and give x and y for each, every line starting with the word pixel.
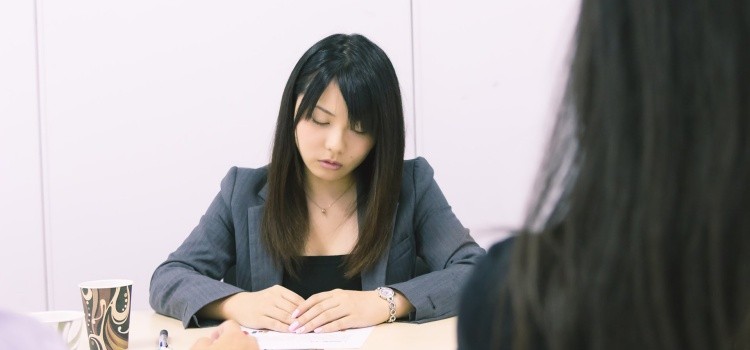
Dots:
pixel 346 339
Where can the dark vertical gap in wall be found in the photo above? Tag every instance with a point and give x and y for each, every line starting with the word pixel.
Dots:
pixel 45 243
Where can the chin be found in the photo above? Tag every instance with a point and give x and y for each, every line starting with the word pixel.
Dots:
pixel 327 176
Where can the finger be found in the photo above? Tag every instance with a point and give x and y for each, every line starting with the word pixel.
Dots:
pixel 286 305
pixel 310 309
pixel 253 341
pixel 337 325
pixel 234 339
pixel 260 320
pixel 274 324
pixel 289 300
pixel 228 326
pixel 201 344
pixel 278 314
pixel 231 330
pixel 328 313
pixel 292 297
pixel 310 303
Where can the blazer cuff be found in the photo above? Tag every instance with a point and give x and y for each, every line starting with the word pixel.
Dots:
pixel 427 307
pixel 203 298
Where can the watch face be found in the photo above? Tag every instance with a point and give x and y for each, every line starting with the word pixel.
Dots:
pixel 385 292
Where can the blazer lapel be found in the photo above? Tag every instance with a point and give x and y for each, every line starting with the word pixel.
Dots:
pixel 375 277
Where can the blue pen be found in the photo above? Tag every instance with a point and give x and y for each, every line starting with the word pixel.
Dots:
pixel 163 339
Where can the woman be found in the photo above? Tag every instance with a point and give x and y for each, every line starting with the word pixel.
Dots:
pixel 639 237
pixel 328 235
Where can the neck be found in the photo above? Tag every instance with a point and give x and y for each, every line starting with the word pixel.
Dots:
pixel 326 190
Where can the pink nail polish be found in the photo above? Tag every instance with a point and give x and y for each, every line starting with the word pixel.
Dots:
pixel 293 326
pixel 295 313
pixel 318 330
pixel 301 330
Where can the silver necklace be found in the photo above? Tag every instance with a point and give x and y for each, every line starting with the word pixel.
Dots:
pixel 324 211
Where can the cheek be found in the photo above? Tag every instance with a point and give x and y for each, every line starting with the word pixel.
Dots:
pixel 301 136
pixel 363 147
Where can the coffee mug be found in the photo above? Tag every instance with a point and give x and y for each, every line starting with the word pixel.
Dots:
pixel 106 304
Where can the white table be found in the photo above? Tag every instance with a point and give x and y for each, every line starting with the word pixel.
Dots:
pixel 437 335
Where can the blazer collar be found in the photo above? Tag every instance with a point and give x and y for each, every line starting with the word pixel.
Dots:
pixel 265 273
pixel 263 194
pixel 375 276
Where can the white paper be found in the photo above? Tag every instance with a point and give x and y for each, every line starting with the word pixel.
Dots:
pixel 346 339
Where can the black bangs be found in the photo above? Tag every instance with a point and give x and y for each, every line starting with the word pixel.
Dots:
pixel 358 94
pixel 311 89
pixel 363 73
pixel 355 88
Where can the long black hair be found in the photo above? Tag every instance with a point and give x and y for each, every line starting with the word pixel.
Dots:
pixel 641 236
pixel 371 91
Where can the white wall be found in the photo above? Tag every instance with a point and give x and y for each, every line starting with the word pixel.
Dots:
pixel 488 76
pixel 22 260
pixel 146 104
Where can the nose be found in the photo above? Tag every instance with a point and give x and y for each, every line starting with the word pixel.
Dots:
pixel 335 140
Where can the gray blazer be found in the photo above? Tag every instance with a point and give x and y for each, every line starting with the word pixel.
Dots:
pixel 228 235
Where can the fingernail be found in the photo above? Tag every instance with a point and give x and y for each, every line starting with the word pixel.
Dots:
pixel 318 330
pixel 301 330
pixel 293 326
pixel 295 313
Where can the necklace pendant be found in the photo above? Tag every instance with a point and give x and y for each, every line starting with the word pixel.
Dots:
pixel 323 211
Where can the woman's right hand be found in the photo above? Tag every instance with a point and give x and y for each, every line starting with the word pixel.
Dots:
pixel 270 308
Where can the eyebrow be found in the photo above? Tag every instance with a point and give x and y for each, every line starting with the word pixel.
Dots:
pixel 325 110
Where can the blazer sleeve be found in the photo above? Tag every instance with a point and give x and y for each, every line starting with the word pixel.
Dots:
pixel 190 277
pixel 445 246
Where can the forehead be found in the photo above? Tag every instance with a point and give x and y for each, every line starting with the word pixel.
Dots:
pixel 331 102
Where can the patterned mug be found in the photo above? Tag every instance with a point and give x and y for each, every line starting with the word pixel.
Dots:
pixel 106 307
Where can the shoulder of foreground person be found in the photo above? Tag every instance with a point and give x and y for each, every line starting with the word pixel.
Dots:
pixel 23 332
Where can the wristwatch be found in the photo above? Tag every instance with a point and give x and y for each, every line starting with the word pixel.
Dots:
pixel 387 294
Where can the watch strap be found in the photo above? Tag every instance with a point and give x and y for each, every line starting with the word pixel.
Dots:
pixel 391 303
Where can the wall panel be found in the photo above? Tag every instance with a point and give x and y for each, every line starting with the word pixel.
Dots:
pixel 148 104
pixel 22 263
pixel 487 81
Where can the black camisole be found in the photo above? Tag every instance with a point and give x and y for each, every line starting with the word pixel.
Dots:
pixel 320 274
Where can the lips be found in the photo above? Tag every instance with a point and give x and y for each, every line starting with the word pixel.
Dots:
pixel 330 164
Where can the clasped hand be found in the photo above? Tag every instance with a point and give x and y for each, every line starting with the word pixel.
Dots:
pixel 279 309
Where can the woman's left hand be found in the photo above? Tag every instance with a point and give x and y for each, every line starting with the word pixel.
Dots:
pixel 339 309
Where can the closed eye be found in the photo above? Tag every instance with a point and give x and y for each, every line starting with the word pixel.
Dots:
pixel 319 123
pixel 358 128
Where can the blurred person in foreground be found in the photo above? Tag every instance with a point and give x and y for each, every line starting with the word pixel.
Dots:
pixel 638 236
pixel 24 332
pixel 228 336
